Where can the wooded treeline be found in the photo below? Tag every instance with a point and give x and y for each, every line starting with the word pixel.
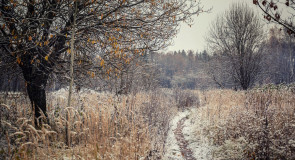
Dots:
pixel 184 69
pixel 188 69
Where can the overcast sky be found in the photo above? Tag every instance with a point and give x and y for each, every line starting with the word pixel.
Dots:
pixel 192 38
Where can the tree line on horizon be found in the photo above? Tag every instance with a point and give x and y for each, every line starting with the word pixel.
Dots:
pixel 189 69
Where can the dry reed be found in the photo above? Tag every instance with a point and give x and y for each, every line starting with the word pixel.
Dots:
pixel 101 125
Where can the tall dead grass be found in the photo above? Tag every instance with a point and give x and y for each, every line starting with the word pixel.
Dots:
pixel 255 124
pixel 101 126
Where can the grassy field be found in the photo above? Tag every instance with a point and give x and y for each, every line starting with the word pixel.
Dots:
pixel 101 126
pixel 254 124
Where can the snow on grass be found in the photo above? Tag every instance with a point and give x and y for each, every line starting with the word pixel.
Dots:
pixel 192 131
pixel 172 151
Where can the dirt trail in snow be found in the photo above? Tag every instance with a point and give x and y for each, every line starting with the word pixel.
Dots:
pixel 182 143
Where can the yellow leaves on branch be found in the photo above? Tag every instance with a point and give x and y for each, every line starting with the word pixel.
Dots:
pixel 127 61
pixel 123 1
pixel 117 50
pixel 102 63
pixel 46 43
pixel 118 29
pixel 46 58
pixel 92 41
pixel 69 51
pixel 92 74
pixel 18 60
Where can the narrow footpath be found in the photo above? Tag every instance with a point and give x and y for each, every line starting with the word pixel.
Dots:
pixel 184 140
pixel 182 143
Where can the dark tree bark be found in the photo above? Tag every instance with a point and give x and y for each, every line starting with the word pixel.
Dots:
pixel 37 97
pixel 36 77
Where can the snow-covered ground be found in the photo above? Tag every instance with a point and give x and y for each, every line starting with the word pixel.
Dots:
pixel 192 131
pixel 172 151
pixel 197 143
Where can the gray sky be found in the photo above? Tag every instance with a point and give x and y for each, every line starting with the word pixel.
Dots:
pixel 192 38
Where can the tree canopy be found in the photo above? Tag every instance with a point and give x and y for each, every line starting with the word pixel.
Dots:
pixel 35 35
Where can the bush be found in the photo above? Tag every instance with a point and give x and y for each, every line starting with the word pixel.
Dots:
pixel 263 117
pixel 185 98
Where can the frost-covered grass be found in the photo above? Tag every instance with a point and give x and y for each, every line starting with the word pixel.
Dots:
pixel 255 124
pixel 221 124
pixel 101 126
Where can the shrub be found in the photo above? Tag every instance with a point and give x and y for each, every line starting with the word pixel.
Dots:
pixel 263 117
pixel 186 98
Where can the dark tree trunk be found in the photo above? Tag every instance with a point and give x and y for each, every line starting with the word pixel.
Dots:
pixel 36 76
pixel 36 92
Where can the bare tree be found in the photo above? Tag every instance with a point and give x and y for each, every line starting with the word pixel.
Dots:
pixel 35 34
pixel 236 37
pixel 218 69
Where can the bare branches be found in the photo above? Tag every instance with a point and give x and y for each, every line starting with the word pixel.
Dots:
pixel 236 37
pixel 279 11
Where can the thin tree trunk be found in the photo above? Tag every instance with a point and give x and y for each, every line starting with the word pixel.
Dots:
pixel 68 141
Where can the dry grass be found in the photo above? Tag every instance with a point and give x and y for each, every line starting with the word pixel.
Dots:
pixel 256 124
pixel 101 126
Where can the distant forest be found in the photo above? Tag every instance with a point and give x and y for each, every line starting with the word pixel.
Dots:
pixel 181 69
pixel 201 70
